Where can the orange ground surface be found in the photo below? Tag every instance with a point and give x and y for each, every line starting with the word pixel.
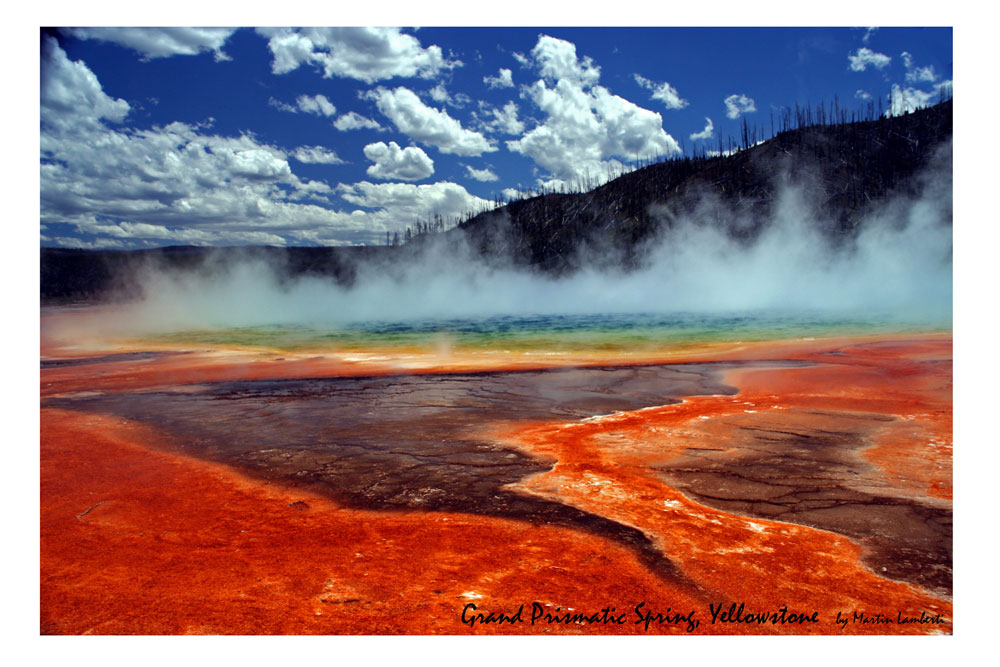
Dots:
pixel 137 538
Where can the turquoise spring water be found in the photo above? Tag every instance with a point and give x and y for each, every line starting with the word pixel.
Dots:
pixel 563 333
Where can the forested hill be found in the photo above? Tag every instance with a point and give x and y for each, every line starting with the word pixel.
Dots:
pixel 844 168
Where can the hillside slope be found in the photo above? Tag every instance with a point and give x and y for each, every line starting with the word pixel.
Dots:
pixel 844 169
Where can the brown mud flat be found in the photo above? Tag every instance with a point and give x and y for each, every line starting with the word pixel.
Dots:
pixel 239 498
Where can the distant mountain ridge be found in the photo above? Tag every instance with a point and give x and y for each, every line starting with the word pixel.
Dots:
pixel 849 168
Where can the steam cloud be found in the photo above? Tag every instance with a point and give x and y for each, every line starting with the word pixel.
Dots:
pixel 899 267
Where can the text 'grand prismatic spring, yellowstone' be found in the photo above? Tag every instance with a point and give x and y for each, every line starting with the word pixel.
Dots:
pixel 566 337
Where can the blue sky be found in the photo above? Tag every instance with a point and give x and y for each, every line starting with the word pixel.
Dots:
pixel 285 136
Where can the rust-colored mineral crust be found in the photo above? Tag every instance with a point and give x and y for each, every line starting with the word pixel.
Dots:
pixel 141 541
pixel 792 450
pixel 818 482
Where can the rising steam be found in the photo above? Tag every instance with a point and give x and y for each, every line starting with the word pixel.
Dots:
pixel 898 266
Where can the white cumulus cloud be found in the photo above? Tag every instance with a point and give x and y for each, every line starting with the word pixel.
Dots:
pixel 181 183
pixel 71 95
pixel 739 104
pixel 484 175
pixel 440 95
pixel 707 133
pixel 408 202
pixel 864 58
pixel 316 155
pixel 558 61
pixel 916 74
pixel 502 120
pixel 663 92
pixel 586 126
pixel 316 104
pixel 352 120
pixel 503 79
pixel 427 125
pixel 392 162
pixel 161 42
pixel 365 54
pixel 282 106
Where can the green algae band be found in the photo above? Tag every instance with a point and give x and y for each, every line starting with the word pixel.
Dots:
pixel 547 333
